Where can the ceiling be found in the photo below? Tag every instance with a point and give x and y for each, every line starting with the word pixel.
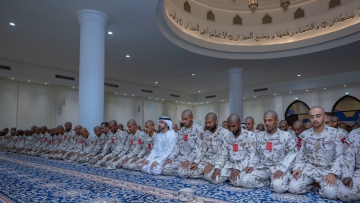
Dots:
pixel 47 34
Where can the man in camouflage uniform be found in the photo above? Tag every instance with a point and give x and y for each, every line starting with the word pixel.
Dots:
pixel 211 144
pixel 235 154
pixel 188 148
pixel 275 152
pixel 318 159
pixel 349 188
pixel 132 147
pixel 149 140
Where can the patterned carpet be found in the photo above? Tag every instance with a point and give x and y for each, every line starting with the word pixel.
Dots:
pixel 32 179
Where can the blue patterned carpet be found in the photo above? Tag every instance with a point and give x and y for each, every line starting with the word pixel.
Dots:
pixel 32 179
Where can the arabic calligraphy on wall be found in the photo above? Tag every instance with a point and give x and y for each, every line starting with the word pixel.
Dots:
pixel 257 37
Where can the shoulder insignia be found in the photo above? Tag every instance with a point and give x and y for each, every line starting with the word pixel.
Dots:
pixel 348 142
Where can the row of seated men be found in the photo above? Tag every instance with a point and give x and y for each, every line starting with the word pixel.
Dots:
pixel 323 157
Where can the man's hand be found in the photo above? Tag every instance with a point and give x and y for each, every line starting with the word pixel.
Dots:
pixel 169 161
pixel 249 169
pixel 330 180
pixel 234 174
pixel 296 174
pixel 99 158
pixel 193 166
pixel 153 165
pixel 109 158
pixel 134 160
pixel 208 169
pixel 144 162
pixel 116 158
pixel 216 173
pixel 184 165
pixel 125 160
pixel 278 174
pixel 347 181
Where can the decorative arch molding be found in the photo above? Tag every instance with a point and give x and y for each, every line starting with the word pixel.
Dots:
pixel 224 40
pixel 294 102
pixel 341 99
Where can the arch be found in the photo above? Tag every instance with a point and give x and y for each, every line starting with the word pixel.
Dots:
pixel 291 115
pixel 334 3
pixel 347 108
pixel 299 13
pixel 187 7
pixel 210 16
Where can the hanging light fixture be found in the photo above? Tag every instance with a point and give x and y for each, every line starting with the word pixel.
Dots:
pixel 285 4
pixel 253 4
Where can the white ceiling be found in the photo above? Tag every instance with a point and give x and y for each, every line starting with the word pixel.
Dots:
pixel 47 34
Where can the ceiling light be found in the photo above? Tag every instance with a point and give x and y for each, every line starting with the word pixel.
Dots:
pixel 253 4
pixel 243 97
pixel 176 101
pixel 133 95
pixel 344 85
pixel 163 99
pixel 12 24
pixel 12 78
pixel 222 100
pixel 28 80
pixel 193 74
pixel 346 93
pixel 115 92
pixel 324 88
pixel 199 91
pixel 73 87
pixel 254 96
pixel 156 82
pixel 128 56
pixel 296 98
pixel 155 98
pixel 275 94
pixel 299 75
pixel 307 90
pixel 290 92
pixel 110 33
pixel 200 103
pixel 46 83
pixel 149 97
pixel 124 94
pixel 195 103
pixel 189 103
pixel 207 102
pixel 285 4
pixel 182 102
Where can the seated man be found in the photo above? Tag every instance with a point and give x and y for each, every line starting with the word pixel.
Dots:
pixel 165 143
pixel 318 159
pixel 212 140
pixel 149 140
pixel 307 125
pixel 349 188
pixel 132 147
pixel 275 152
pixel 188 147
pixel 235 154
pixel 66 140
pixel 113 147
pixel 260 127
pixel 298 127
pixel 283 125
pixel 94 145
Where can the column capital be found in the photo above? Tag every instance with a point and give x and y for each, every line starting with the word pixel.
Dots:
pixel 92 15
pixel 235 70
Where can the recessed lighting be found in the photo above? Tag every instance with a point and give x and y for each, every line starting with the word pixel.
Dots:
pixel 199 91
pixel 163 99
pixel 195 103
pixel 110 33
pixel 344 85
pixel 156 82
pixel 296 98
pixel 73 87
pixel 182 102
pixel 200 103
pixel 275 94
pixel 307 90
pixel 133 95
pixel 46 83
pixel 290 92
pixel 254 96
pixel 149 97
pixel 346 93
pixel 115 92
pixel 207 102
pixel 193 74
pixel 124 94
pixel 176 101
pixel 222 100
pixel 243 97
pixel 12 24
pixel 324 88
pixel 28 80
pixel 12 78
pixel 128 56
pixel 299 75
pixel 155 98
pixel 189 103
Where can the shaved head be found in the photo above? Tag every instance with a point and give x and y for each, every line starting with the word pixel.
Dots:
pixel 249 118
pixel 150 122
pixel 187 118
pixel 132 122
pixel 211 116
pixel 318 107
pixel 187 112
pixel 272 114
pixel 234 124
pixel 233 118
pixel 249 122
pixel 113 122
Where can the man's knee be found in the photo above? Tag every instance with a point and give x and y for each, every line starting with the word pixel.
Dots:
pixel 329 192
pixel 279 185
pixel 248 181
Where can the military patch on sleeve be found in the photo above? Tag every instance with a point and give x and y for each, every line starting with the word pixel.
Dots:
pixel 301 136
pixel 346 146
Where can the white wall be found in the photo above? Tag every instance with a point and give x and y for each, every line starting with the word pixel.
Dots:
pixel 26 104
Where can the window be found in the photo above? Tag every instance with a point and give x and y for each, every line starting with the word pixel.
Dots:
pixel 347 108
pixel 187 7
pixel 210 16
pixel 237 20
pixel 297 110
pixel 299 13
pixel 267 19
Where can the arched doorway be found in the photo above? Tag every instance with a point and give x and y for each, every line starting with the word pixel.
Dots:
pixel 347 108
pixel 297 110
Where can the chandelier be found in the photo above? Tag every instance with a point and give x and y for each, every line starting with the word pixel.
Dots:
pixel 285 4
pixel 253 4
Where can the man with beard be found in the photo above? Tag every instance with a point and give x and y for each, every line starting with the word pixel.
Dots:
pixel 188 147
pixel 95 142
pixel 235 154
pixel 165 143
pixel 211 144
pixel 224 124
pixel 149 140
pixel 283 125
pixel 318 159
pixel 131 149
pixel 275 152
pixel 113 147
pixel 66 143
pixel 298 127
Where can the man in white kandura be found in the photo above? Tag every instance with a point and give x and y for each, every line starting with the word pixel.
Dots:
pixel 165 143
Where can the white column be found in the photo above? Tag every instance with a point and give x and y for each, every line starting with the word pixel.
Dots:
pixel 91 68
pixel 236 91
